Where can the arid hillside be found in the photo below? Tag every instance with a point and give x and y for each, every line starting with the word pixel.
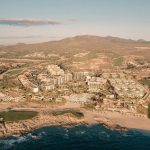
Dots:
pixel 83 46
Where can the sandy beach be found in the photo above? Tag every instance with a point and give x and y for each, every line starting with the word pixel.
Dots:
pixel 110 119
pixel 129 121
pixel 125 120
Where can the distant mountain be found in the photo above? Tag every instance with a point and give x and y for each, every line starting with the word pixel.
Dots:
pixel 78 44
pixel 1 45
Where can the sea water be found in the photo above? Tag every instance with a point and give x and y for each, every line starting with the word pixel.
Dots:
pixel 95 137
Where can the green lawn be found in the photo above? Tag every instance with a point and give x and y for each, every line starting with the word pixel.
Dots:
pixel 118 61
pixel 17 115
pixel 72 112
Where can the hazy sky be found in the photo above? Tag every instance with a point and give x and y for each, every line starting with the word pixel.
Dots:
pixel 43 20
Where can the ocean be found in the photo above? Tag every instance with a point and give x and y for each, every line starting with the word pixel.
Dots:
pixel 81 137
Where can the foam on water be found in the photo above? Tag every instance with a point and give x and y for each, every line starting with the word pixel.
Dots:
pixel 80 137
pixel 8 143
pixel 17 139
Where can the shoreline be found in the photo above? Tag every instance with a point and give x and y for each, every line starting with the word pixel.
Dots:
pixel 20 133
pixel 111 120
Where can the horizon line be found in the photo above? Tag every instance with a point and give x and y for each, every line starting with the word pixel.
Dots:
pixel 63 38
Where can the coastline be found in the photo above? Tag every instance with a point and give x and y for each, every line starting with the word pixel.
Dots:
pixel 111 120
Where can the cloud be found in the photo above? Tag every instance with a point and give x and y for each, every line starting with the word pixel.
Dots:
pixel 26 37
pixel 28 22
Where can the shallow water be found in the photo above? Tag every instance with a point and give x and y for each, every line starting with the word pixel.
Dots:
pixel 78 138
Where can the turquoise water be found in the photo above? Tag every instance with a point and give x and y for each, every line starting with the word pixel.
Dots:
pixel 78 138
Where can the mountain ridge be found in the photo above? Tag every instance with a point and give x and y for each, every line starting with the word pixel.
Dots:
pixel 81 43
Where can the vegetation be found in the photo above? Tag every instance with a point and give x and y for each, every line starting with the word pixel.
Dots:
pixel 2 70
pixel 7 83
pixel 145 82
pixel 70 46
pixel 111 54
pixel 17 115
pixel 14 73
pixel 130 66
pixel 141 109
pixel 72 112
pixel 148 111
pixel 118 61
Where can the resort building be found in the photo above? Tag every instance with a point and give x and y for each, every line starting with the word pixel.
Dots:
pixel 68 77
pixel 96 83
pixel 124 88
pixel 27 84
pixel 55 70
pixel 80 75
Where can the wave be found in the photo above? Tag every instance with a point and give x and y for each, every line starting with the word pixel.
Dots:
pixel 8 143
pixel 17 139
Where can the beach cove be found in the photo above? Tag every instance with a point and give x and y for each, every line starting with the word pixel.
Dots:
pixel 45 117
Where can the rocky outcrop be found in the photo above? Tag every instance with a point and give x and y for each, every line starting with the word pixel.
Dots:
pixel 21 127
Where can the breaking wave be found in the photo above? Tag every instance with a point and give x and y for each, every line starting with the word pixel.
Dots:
pixel 16 139
pixel 80 137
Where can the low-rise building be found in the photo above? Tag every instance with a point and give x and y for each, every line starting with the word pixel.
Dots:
pixel 95 84
pixel 6 98
pixel 81 98
pixel 127 88
pixel 47 87
pixel 27 84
